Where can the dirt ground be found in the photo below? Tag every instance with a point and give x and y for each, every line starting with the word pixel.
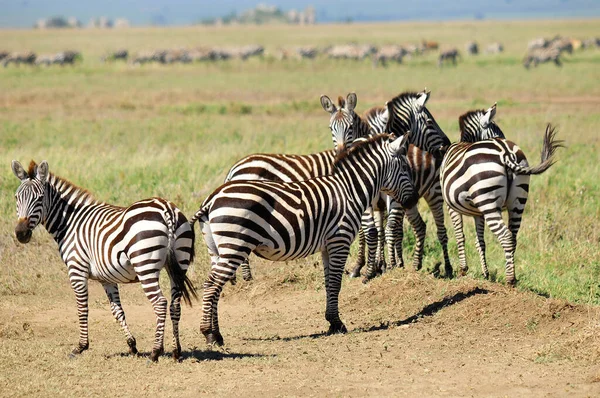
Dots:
pixel 410 335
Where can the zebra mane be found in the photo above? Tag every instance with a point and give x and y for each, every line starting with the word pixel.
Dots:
pixel 359 146
pixel 61 184
pixel 471 129
pixel 341 102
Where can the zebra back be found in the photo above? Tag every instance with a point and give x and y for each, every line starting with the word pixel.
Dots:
pixel 407 112
pixel 479 125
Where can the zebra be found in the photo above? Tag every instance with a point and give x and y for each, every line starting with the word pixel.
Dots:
pixel 479 125
pixel 110 244
pixel 494 48
pixel 483 177
pixel 389 53
pixel 283 221
pixel 542 55
pixel 346 126
pixel 407 112
pixel 409 109
pixel 448 55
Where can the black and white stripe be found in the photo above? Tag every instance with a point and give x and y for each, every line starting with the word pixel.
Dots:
pixel 407 112
pixel 110 244
pixel 283 221
pixel 346 126
pixel 541 56
pixel 482 178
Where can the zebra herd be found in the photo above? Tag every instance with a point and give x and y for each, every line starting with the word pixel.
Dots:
pixel 284 207
pixel 30 58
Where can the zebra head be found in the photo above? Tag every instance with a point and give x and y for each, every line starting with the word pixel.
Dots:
pixel 30 197
pixel 407 112
pixel 479 125
pixel 341 122
pixel 398 182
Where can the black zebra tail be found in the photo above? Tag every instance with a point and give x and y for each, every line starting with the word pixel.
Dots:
pixel 179 279
pixel 551 144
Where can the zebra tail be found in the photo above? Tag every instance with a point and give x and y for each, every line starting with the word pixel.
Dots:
pixel 198 215
pixel 551 144
pixel 179 278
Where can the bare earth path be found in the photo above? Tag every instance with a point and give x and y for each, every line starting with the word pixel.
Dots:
pixel 410 335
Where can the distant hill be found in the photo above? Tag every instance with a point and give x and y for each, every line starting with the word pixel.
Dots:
pixel 24 13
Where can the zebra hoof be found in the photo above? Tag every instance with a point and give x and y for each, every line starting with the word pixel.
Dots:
pixel 132 346
pixel 155 354
pixel 337 328
pixel 511 282
pixel 214 338
pixel 177 354
pixel 233 280
pixel 354 274
pixel 463 272
pixel 78 350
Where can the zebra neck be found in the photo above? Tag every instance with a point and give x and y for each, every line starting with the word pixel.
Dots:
pixel 363 129
pixel 63 202
pixel 361 180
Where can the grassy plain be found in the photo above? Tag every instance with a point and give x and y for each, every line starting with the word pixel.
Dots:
pixel 126 133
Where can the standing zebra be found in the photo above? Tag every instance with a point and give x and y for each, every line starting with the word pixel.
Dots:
pixel 480 176
pixel 110 244
pixel 409 110
pixel 283 221
pixel 346 126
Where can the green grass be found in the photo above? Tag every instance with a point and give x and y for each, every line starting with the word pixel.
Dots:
pixel 126 133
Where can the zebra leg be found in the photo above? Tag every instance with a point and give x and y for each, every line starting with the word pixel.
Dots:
pixel 246 271
pixel 420 228
pixel 80 287
pixel 394 234
pixel 334 259
pixel 380 264
pixel 437 209
pixel 150 284
pixel 480 243
pixel 112 292
pixel 360 261
pixel 505 236
pixel 371 235
pixel 175 313
pixel 457 223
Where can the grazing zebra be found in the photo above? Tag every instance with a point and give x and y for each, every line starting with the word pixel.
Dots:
pixel 110 244
pixel 481 178
pixel 19 58
pixel 448 56
pixel 283 221
pixel 393 53
pixel 541 56
pixel 346 126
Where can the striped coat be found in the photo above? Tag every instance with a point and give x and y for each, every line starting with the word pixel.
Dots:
pixel 110 244
pixel 283 221
pixel 484 177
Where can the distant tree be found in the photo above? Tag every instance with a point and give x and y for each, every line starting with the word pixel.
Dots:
pixel 57 22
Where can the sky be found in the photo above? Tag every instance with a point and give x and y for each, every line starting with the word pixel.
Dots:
pixel 24 13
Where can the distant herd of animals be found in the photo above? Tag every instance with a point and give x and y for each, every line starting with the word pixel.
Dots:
pixel 540 50
pixel 283 207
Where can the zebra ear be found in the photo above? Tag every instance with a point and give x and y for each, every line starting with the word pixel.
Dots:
pixel 42 171
pixel 351 101
pixel 385 116
pixel 400 145
pixel 422 99
pixel 327 104
pixel 19 171
pixel 489 116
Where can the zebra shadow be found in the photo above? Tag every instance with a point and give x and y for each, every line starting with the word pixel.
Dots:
pixel 198 355
pixel 427 311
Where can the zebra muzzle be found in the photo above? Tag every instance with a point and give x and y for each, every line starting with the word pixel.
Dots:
pixel 22 231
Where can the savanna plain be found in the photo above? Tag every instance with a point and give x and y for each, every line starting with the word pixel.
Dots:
pixel 130 132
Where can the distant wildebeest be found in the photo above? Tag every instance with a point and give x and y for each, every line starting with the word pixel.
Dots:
pixel 393 53
pixel 309 52
pixel 3 54
pixel 494 48
pixel 472 48
pixel 448 56
pixel 120 54
pixel 542 55
pixel 18 58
